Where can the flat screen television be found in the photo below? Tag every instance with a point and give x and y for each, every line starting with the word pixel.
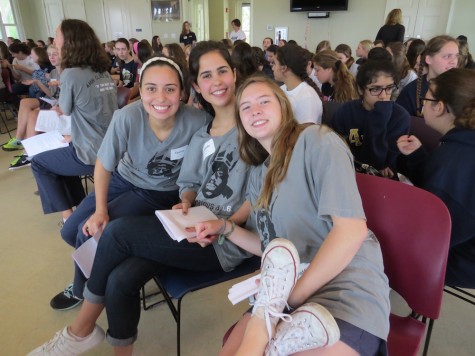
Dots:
pixel 318 5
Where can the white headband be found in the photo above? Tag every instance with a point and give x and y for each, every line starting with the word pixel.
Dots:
pixel 164 59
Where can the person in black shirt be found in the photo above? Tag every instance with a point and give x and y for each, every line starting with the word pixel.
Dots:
pixel 187 37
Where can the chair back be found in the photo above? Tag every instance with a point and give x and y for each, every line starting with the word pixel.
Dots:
pixel 122 96
pixel 413 228
pixel 426 134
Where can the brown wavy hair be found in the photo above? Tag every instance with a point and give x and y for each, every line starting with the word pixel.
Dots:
pixel 456 90
pixel 344 81
pixel 282 145
pixel 81 47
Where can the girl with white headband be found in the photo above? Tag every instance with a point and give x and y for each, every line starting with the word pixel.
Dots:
pixel 138 162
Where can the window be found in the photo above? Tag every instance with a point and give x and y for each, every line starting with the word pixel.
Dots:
pixel 8 25
pixel 246 20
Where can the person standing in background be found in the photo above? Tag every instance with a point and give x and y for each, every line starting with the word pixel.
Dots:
pixel 237 33
pixel 393 30
pixel 187 37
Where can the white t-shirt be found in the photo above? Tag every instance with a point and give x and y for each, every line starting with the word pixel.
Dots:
pixel 306 103
pixel 237 35
pixel 27 62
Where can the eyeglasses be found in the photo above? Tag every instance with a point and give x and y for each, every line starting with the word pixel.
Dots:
pixel 423 99
pixel 376 91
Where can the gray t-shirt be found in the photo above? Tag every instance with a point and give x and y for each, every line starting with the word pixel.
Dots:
pixel 140 157
pixel 320 182
pixel 91 99
pixel 213 169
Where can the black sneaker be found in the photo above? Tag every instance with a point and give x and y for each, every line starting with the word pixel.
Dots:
pixel 20 162
pixel 65 300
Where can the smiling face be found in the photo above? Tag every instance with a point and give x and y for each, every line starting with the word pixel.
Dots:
pixel 260 113
pixel 215 80
pixel 160 91
pixel 442 61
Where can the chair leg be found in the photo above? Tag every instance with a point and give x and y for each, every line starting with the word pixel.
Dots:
pixel 178 328
pixel 428 335
pixel 461 294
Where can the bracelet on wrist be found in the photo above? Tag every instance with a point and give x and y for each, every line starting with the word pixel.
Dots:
pixel 224 236
pixel 223 228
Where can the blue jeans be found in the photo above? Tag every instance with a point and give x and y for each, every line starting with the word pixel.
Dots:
pixel 57 176
pixel 124 199
pixel 130 252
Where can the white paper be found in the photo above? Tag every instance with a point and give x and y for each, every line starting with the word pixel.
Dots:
pixel 175 222
pixel 84 255
pixel 50 101
pixel 43 142
pixel 244 289
pixel 49 120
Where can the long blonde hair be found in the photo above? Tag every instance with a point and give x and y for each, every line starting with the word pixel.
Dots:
pixel 394 17
pixel 282 145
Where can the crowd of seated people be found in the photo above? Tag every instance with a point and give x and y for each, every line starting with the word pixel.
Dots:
pixel 247 106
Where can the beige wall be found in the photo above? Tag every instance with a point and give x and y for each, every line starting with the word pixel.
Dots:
pixel 362 20
pixel 461 21
pixel 33 17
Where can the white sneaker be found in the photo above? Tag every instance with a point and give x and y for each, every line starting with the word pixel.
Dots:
pixel 279 268
pixel 63 344
pixel 312 326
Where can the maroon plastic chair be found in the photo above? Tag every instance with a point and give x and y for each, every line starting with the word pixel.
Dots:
pixel 122 96
pixel 413 228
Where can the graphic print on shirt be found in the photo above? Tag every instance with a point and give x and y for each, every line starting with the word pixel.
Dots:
pixel 127 76
pixel 354 138
pixel 265 226
pixel 161 165
pixel 222 166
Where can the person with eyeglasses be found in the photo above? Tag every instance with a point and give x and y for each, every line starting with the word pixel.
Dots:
pixel 372 124
pixel 449 108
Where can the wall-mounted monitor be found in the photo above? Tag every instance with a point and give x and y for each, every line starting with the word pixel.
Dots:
pixel 318 5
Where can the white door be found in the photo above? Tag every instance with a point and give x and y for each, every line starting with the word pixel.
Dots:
pixel 74 9
pixel 95 18
pixel 199 19
pixel 140 19
pixel 422 18
pixel 432 18
pixel 116 19
pixel 54 15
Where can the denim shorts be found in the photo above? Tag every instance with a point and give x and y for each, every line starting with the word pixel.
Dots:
pixel 361 341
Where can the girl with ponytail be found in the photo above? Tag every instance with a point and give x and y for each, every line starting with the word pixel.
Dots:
pixel 290 67
pixel 338 84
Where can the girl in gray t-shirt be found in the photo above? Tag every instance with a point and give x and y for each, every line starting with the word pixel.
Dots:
pixel 139 159
pixel 305 191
